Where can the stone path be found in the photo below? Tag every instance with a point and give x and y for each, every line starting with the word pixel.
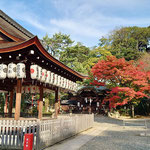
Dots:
pixel 107 134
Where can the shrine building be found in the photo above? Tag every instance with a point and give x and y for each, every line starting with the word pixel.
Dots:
pixel 26 67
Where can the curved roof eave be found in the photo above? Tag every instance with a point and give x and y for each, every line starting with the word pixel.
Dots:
pixel 35 41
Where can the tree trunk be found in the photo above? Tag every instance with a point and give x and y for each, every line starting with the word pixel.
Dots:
pixel 132 111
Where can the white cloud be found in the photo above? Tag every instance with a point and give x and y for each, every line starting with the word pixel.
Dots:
pixel 82 19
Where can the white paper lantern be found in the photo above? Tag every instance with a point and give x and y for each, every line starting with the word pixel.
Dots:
pixel 34 72
pixel 33 89
pixel 51 78
pixel 71 85
pixel 65 83
pixel 61 81
pixel 27 89
pixel 78 104
pixel 58 80
pixel 55 79
pixel 97 104
pixel 21 70
pixel 48 77
pixel 39 73
pixel 11 72
pixel 74 86
pixel 43 78
pixel 3 71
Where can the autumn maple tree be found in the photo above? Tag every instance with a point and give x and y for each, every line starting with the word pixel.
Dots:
pixel 128 83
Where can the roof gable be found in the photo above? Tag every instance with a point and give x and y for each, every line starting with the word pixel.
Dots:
pixel 13 28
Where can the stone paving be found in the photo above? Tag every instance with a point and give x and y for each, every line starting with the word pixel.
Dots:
pixel 116 137
pixel 107 134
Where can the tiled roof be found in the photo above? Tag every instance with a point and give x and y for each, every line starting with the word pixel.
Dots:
pixel 13 27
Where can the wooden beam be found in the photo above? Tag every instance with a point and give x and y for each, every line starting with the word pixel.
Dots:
pixel 18 99
pixel 56 102
pixel 11 103
pixel 40 103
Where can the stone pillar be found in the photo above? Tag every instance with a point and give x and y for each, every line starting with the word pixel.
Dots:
pixel 11 103
pixel 56 102
pixel 40 103
pixel 18 99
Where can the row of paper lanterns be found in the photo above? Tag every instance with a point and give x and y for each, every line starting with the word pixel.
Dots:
pixel 37 73
pixel 33 89
pixel 12 71
pixel 43 75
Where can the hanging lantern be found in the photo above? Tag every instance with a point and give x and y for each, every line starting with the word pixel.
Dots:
pixel 65 83
pixel 51 78
pixel 33 89
pixel 58 80
pixel 34 71
pixel 3 71
pixel 21 70
pixel 73 86
pixel 47 76
pixel 86 100
pixel 27 89
pixel 43 78
pixel 69 84
pixel 97 104
pixel 61 81
pixel 55 79
pixel 39 73
pixel 11 72
pixel 78 104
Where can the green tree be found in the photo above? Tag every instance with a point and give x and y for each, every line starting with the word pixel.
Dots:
pixel 75 56
pixel 127 42
pixel 57 43
pixel 2 102
pixel 96 54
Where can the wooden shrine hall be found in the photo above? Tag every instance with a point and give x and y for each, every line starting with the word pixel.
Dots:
pixel 26 67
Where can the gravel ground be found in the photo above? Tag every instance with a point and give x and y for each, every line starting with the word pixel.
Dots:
pixel 116 137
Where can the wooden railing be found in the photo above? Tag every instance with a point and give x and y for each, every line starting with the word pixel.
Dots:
pixel 46 132
pixel 12 133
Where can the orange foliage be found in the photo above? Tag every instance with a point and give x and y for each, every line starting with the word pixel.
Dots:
pixel 128 82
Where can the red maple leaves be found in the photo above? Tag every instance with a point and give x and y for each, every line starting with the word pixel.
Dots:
pixel 128 83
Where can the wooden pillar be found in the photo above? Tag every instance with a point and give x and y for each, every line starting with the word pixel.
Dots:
pixel 56 102
pixel 40 103
pixel 6 103
pixel 11 103
pixel 18 99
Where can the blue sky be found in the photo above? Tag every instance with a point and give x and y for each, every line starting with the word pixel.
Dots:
pixel 86 21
